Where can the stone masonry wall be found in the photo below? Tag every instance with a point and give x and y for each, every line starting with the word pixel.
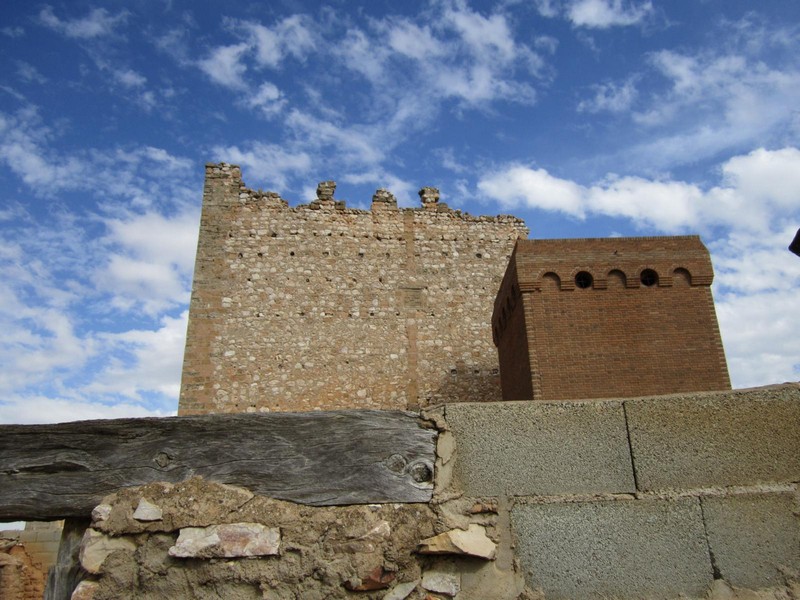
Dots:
pixel 684 496
pixel 321 307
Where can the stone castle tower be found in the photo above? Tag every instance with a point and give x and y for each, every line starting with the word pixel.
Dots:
pixel 321 306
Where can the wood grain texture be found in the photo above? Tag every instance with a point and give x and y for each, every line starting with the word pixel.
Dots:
pixel 52 472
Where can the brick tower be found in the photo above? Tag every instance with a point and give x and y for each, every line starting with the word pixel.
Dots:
pixel 600 318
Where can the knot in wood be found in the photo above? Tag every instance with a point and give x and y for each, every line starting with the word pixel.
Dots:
pixel 396 463
pixel 162 459
pixel 420 472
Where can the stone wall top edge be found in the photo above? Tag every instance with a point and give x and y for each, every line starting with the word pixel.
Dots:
pixel 789 387
pixel 611 240
pixel 248 195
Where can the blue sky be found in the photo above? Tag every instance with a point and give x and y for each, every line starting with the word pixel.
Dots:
pixel 588 118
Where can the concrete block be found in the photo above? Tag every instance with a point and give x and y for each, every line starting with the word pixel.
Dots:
pixel 536 448
pixel 614 549
pixel 722 439
pixel 752 535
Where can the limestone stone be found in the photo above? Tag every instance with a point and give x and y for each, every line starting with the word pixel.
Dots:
pixel 101 512
pixel 472 542
pixel 377 579
pixel 96 547
pixel 402 590
pixel 227 541
pixel 445 581
pixel 86 590
pixel 147 511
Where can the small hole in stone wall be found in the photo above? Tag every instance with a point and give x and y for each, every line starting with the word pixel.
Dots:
pixel 583 280
pixel 453 372
pixel 291 253
pixel 241 255
pixel 326 253
pixel 260 255
pixel 649 278
pixel 478 255
pixel 380 279
pixel 273 234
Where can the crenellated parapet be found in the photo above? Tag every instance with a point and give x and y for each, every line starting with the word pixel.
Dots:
pixel 320 306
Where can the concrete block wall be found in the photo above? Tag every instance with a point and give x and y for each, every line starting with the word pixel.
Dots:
pixel 650 497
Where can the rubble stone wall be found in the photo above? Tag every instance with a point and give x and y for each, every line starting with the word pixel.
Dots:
pixel 683 496
pixel 320 306
pixel 21 576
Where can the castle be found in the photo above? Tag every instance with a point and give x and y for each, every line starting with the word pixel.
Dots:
pixel 558 434
pixel 320 306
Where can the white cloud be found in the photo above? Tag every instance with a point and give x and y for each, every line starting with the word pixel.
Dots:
pixel 488 37
pixel 291 36
pixel 98 23
pixel 150 360
pixel 610 97
pixel 403 190
pixel 602 14
pixel 28 73
pixel 547 8
pixel 37 409
pixel 354 143
pixel 748 220
pixel 13 32
pixel 150 260
pixel 23 143
pixel 224 65
pixel 715 101
pixel 519 185
pixel 37 343
pixel 457 54
pixel 267 162
pixel 756 189
pixel 130 78
pixel 261 47
pixel 268 99
pixel 414 41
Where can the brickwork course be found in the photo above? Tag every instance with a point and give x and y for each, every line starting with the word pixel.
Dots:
pixel 321 306
pixel 604 318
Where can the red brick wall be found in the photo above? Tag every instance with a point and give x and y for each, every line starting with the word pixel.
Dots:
pixel 617 337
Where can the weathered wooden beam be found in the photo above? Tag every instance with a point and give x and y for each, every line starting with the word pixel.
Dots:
pixel 51 472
